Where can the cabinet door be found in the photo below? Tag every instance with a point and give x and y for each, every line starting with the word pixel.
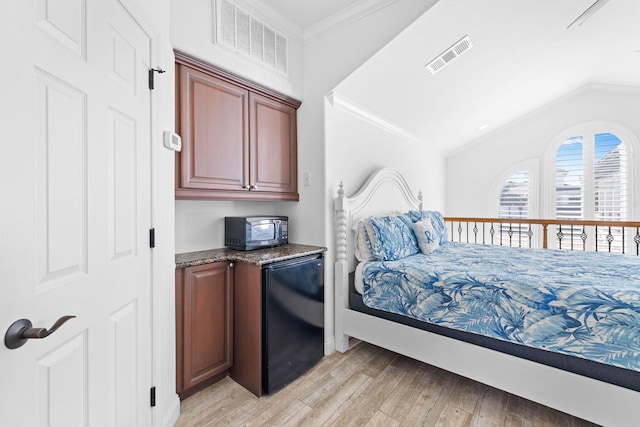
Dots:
pixel 273 152
pixel 207 330
pixel 213 123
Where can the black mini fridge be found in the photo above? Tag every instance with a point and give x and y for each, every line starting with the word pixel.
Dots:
pixel 292 319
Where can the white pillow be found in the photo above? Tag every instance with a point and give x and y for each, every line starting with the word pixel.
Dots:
pixel 428 241
pixel 362 246
pixel 358 280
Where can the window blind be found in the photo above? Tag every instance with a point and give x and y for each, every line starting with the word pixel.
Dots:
pixel 514 197
pixel 570 179
pixel 611 176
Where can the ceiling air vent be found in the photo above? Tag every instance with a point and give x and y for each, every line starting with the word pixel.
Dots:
pixel 449 55
pixel 238 30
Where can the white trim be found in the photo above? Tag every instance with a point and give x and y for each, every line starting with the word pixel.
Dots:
pixel 344 17
pixel 329 346
pixel 171 416
pixel 338 101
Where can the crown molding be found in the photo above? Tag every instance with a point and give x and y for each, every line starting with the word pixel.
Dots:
pixel 344 104
pixel 344 17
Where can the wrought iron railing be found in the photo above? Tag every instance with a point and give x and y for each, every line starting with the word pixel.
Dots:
pixel 585 235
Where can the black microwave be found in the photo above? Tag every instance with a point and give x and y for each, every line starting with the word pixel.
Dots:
pixel 245 233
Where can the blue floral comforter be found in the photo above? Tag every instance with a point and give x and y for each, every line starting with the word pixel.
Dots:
pixel 577 303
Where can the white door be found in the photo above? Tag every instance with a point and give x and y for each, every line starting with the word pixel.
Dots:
pixel 75 213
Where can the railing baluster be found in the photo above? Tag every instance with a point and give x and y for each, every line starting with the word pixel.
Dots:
pixel 571 237
pixel 609 239
pixel 637 240
pixel 519 235
pixel 492 231
pixel 460 233
pixel 584 236
pixel 560 236
pixel 623 248
pixel 483 234
pixel 596 238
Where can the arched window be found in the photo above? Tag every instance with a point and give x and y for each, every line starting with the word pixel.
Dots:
pixel 592 178
pixel 516 193
pixel 513 200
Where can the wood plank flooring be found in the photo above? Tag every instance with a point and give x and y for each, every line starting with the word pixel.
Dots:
pixel 369 386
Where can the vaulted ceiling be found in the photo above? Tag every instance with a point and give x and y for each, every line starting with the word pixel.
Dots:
pixel 523 57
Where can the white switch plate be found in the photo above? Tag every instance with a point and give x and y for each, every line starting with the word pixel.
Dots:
pixel 172 141
pixel 306 181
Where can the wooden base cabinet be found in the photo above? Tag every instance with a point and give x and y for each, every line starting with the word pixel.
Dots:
pixel 239 139
pixel 204 325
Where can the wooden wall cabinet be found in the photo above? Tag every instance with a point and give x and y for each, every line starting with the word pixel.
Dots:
pixel 204 325
pixel 239 139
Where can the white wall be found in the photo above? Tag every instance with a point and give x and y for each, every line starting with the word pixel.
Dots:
pixel 473 171
pixel 329 59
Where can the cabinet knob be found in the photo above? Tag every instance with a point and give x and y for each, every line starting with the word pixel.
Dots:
pixel 246 187
pixel 253 187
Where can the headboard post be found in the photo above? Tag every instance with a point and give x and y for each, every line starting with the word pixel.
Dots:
pixel 341 225
pixel 341 272
pixel 381 186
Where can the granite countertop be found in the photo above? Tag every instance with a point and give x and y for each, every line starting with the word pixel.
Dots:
pixel 258 256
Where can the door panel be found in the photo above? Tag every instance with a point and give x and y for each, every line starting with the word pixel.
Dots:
pixel 62 384
pixel 273 145
pixel 77 113
pixel 61 180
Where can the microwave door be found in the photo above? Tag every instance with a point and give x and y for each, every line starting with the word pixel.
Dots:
pixel 263 232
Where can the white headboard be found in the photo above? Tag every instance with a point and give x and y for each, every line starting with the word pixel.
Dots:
pixel 384 192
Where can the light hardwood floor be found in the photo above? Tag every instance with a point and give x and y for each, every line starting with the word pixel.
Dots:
pixel 369 386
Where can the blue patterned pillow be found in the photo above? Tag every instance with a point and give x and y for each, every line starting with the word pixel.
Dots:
pixel 436 220
pixel 427 239
pixel 391 237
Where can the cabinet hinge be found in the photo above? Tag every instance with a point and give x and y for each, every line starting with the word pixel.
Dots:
pixel 151 76
pixel 152 238
pixel 153 396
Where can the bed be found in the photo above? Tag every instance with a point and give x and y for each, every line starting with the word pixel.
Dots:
pixel 552 362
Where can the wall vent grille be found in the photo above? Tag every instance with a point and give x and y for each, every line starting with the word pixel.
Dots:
pixel 449 55
pixel 238 30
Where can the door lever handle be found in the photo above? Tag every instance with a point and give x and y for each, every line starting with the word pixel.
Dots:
pixel 22 330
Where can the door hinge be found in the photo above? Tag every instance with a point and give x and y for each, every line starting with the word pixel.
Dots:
pixel 153 396
pixel 151 76
pixel 152 238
